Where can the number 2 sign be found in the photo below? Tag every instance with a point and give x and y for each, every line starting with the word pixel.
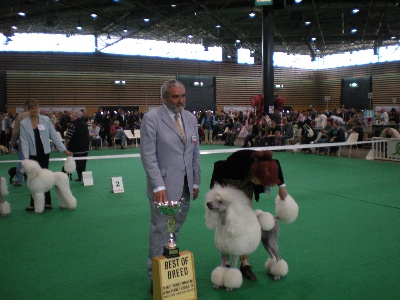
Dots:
pixel 117 185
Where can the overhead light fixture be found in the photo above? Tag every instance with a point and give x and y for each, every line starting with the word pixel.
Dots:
pixel 298 1
pixel 190 36
pixel 355 10
pixel 93 15
pixel 313 39
pixel 237 41
pixel 146 19
pixel 173 5
pixel 198 84
pixel 79 27
pixel 252 14
pixel 218 26
pixel 22 14
pixel 353 85
pixel 307 23
pixel 14 27
pixel 392 37
pixel 353 30
pixel 125 29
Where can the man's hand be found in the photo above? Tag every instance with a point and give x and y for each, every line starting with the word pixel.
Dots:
pixel 160 196
pixel 195 194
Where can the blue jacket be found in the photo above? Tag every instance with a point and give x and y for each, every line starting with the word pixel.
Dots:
pixel 27 136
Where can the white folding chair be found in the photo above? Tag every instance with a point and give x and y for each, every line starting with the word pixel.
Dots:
pixel 136 136
pixel 353 137
pixel 129 135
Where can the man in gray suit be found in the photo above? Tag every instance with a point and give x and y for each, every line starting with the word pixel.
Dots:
pixel 169 149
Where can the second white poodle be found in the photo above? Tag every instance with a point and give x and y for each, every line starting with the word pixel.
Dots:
pixel 239 230
pixel 41 180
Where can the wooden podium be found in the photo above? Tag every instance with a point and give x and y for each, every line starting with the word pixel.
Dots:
pixel 174 278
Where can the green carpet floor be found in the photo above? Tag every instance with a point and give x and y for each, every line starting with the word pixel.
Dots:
pixel 344 245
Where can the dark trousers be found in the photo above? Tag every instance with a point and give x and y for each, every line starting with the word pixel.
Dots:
pixel 80 163
pixel 43 161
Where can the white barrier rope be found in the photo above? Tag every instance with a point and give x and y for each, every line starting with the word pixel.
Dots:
pixel 229 150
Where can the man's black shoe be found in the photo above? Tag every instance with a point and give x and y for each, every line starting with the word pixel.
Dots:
pixel 248 273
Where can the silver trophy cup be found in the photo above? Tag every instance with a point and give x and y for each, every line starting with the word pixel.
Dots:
pixel 170 209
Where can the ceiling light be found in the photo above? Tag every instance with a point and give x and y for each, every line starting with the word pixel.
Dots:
pixel 22 14
pixel 218 26
pixel 146 19
pixel 173 5
pixel 354 30
pixel 94 16
pixel 252 14
pixel 313 39
pixel 298 1
pixel 125 29
pixel 355 10
pixel 392 37
pixel 14 27
pixel 353 85
pixel 237 41
pixel 190 36
pixel 79 27
pixel 307 23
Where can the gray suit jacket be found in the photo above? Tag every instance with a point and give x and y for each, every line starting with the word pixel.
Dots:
pixel 27 136
pixel 165 158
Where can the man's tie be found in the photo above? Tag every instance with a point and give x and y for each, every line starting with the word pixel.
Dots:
pixel 178 125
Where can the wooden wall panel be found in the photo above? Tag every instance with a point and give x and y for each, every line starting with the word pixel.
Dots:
pixel 87 80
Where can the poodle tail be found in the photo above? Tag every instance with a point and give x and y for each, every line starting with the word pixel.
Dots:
pixel 70 165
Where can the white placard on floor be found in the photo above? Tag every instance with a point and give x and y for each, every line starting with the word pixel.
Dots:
pixel 87 178
pixel 117 185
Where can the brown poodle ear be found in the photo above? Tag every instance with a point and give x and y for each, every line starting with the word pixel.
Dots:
pixel 265 172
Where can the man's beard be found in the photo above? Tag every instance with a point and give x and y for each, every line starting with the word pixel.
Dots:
pixel 175 108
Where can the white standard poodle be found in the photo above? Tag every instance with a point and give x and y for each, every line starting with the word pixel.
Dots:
pixel 4 205
pixel 239 230
pixel 41 180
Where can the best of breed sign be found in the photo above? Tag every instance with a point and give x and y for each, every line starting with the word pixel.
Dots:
pixel 174 278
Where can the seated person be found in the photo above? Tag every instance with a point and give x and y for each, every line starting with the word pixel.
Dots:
pixel 254 133
pixel 358 128
pixel 390 133
pixel 117 131
pixel 264 128
pixel 94 135
pixel 278 138
pixel 335 135
pixel 269 140
pixel 232 134
pixel 287 130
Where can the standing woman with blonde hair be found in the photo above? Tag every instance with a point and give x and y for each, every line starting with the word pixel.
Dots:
pixel 35 133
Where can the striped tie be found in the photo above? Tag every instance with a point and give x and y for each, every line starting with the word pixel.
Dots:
pixel 178 125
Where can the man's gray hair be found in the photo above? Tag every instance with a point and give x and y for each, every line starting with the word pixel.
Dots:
pixel 168 84
pixel 78 114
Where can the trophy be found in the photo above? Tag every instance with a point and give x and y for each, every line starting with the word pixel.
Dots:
pixel 170 209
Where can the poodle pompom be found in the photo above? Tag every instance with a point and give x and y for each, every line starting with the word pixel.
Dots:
pixel 3 185
pixel 267 220
pixel 5 208
pixel 217 277
pixel 279 268
pixel 286 210
pixel 233 279
pixel 70 165
pixel 269 263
